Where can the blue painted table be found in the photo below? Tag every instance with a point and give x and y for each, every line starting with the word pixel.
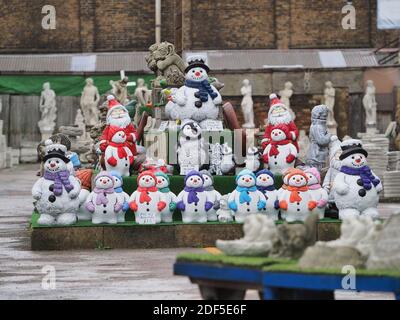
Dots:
pixel 218 281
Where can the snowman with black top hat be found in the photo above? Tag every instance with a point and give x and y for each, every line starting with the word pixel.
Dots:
pixel 197 99
pixel 356 188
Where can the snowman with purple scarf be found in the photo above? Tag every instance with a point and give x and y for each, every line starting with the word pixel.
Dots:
pixel 266 184
pixel 356 188
pixel 56 193
pixel 193 201
pixel 124 197
pixel 197 99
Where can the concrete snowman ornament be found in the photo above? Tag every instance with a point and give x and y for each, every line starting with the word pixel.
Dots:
pixel 227 163
pixel 197 99
pixel 295 200
pixel 281 153
pixel 246 199
pixel 252 160
pixel 103 202
pixel 224 213
pixel 193 201
pixel 118 156
pixel 192 150
pixel 212 195
pixel 56 193
pixel 318 193
pixel 356 188
pixel 123 196
pixel 266 184
pixel 169 196
pixel 147 202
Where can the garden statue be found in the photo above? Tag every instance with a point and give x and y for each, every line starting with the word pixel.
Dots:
pixel 147 202
pixel 295 199
pixel 120 90
pixel 252 160
pixel 227 163
pixel 318 193
pixel 266 184
pixel 247 105
pixel 246 199
pixel 89 101
pixel 143 97
pixel 329 101
pixel 169 197
pixel 279 114
pixel 369 104
pixel 48 109
pixel 196 99
pixel 193 201
pixel 123 197
pixel 103 202
pixel 319 137
pixel 166 64
pixel 356 188
pixel 212 195
pixel 286 94
pixel 56 193
pixel 224 213
pixel 215 159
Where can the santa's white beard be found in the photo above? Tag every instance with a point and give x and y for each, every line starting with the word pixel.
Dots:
pixel 283 118
pixel 119 122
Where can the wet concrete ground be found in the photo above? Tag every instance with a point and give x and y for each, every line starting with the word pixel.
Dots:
pixel 89 274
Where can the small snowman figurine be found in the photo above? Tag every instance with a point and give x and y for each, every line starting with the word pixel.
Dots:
pixel 103 202
pixel 147 202
pixel 56 193
pixel 295 200
pixel 281 153
pixel 246 199
pixel 224 213
pixel 192 200
pixel 118 156
pixel 85 178
pixel 252 159
pixel 212 195
pixel 266 184
pixel 227 163
pixel 197 99
pixel 356 188
pixel 169 196
pixel 318 193
pixel 123 196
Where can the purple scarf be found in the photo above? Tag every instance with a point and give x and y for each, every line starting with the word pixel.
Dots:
pixel 192 197
pixel 60 179
pixel 263 189
pixel 365 173
pixel 101 195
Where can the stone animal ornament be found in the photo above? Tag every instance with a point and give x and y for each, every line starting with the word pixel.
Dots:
pixel 224 213
pixel 356 188
pixel 166 64
pixel 266 184
pixel 103 202
pixel 246 199
pixel 56 193
pixel 169 197
pixel 317 192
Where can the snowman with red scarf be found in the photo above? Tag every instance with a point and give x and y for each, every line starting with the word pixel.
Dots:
pixel 147 202
pixel 118 156
pixel 280 154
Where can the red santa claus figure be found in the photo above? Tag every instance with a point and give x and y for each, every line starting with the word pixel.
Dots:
pixel 118 116
pixel 279 114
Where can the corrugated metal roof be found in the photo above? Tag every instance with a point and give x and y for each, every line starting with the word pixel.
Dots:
pixel 217 60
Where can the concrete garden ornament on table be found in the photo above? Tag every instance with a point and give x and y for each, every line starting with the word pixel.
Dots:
pixel 212 195
pixel 266 184
pixel 122 196
pixel 89 101
pixel 56 193
pixel 169 197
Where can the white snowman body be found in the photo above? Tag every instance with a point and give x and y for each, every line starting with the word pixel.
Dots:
pixel 320 195
pixel 195 211
pixel 183 104
pixel 277 163
pixel 123 197
pixel 298 210
pixel 252 160
pixel 122 164
pixel 83 213
pixel 63 210
pixel 265 180
pixel 192 150
pixel 104 213
pixel 246 208
pixel 346 191
pixel 213 196
pixel 169 197
pixel 149 207
pixel 227 163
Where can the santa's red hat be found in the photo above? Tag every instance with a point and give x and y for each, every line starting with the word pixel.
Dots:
pixel 274 101
pixel 282 126
pixel 113 103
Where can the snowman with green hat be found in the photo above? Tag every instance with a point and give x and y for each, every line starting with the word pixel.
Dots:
pixel 169 197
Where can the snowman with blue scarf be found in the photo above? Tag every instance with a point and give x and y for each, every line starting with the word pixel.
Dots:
pixel 356 188
pixel 197 99
pixel 121 194
pixel 246 199
pixel 266 184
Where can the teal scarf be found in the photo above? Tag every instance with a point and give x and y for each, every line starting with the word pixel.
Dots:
pixel 244 197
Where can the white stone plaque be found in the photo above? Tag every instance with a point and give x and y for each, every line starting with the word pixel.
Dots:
pixel 185 169
pixel 146 217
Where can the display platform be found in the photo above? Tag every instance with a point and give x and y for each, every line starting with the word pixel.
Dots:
pixel 130 235
pixel 222 277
